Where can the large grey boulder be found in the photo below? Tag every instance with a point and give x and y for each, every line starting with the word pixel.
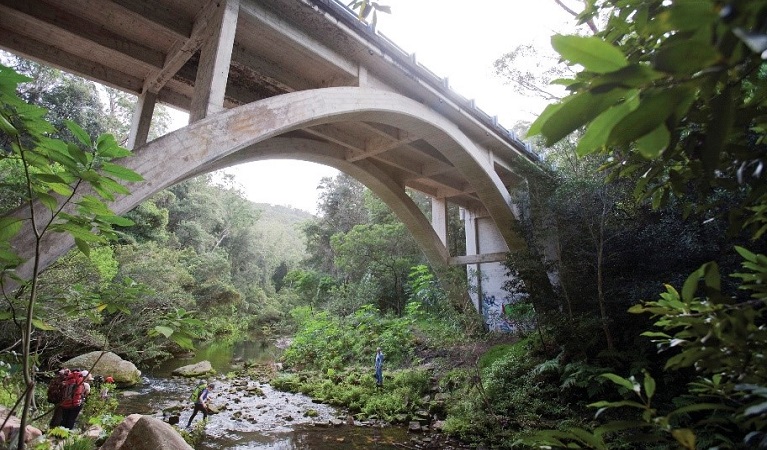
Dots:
pixel 124 372
pixel 194 370
pixel 139 432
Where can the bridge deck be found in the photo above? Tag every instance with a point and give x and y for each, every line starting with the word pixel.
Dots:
pixel 280 46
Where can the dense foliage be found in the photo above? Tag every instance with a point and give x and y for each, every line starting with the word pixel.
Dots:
pixel 670 98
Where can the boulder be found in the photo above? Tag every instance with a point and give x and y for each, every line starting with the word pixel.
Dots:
pixel 124 372
pixel 12 425
pixel 194 370
pixel 139 432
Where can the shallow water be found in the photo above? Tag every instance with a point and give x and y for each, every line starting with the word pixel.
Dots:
pixel 274 420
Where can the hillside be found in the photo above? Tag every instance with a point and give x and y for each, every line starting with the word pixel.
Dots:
pixel 281 228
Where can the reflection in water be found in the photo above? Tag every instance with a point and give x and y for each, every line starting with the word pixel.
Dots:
pixel 252 422
pixel 314 438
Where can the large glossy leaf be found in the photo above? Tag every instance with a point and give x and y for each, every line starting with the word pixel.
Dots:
pixel 576 111
pixel 686 15
pixel 619 380
pixel 634 75
pixel 598 130
pixel 592 53
pixel 653 110
pixel 685 57
pixel 535 127
pixel 652 144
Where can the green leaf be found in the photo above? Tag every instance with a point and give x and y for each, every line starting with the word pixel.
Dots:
pixel 165 331
pixel 651 145
pixel 79 133
pixel 116 220
pixel 7 127
pixel 711 276
pixel 83 246
pixel 686 16
pixel 588 438
pixel 700 407
pixel 184 342
pixel 577 110
pixel 631 76
pixel 535 127
pixel 48 200
pixel 685 57
pixel 684 436
pixel 598 130
pixel 652 112
pixel 121 172
pixel 747 255
pixel 757 409
pixel 619 425
pixel 77 154
pixel 9 227
pixel 718 131
pixel 49 178
pixel 619 380
pixel 592 53
pixel 42 325
pixel 649 385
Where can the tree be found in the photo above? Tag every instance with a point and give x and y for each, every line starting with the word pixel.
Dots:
pixel 385 252
pixel 672 94
pixel 52 167
pixel 341 207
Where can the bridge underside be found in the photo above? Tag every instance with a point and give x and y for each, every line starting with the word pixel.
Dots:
pixel 298 79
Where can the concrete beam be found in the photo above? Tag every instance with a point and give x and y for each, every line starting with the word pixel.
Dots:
pixel 439 218
pixel 69 31
pixel 215 57
pixel 477 259
pixel 141 120
pixel 38 51
pixel 182 50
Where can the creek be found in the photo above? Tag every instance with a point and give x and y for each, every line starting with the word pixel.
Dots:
pixel 275 420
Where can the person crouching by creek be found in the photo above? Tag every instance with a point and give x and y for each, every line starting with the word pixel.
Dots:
pixel 379 367
pixel 201 404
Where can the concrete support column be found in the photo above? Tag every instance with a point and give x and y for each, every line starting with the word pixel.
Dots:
pixel 439 218
pixel 141 120
pixel 215 57
pixel 483 237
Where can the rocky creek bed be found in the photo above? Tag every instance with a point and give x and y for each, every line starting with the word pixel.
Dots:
pixel 253 415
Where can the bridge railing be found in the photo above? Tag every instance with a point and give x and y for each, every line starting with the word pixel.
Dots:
pixel 342 12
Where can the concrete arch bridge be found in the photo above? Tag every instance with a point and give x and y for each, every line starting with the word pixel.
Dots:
pixel 295 79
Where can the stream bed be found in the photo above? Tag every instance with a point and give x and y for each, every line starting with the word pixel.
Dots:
pixel 256 416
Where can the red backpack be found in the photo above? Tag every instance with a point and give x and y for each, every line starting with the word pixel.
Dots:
pixel 55 393
pixel 73 390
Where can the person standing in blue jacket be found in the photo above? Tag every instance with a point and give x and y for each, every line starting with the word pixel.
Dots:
pixel 379 367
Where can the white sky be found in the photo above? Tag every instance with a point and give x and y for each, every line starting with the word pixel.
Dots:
pixel 452 40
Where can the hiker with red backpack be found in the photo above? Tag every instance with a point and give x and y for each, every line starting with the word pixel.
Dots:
pixel 76 389
pixel 56 396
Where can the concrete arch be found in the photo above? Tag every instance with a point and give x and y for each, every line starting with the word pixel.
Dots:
pixel 229 137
